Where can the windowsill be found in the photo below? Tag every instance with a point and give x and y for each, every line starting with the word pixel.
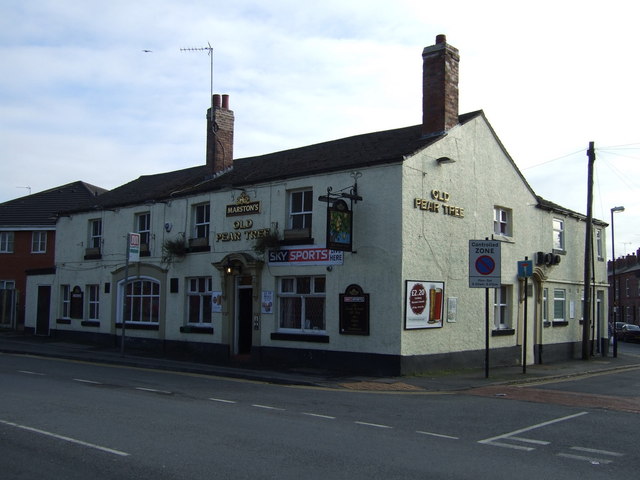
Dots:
pixel 138 326
pixel 300 337
pixel 298 241
pixel 196 329
pixel 546 323
pixel 503 238
pixel 503 332
pixel 63 321
pixel 90 323
pixel 204 248
pixel 559 252
pixel 559 324
pixel 199 244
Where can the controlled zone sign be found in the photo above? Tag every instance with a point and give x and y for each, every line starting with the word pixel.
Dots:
pixel 484 264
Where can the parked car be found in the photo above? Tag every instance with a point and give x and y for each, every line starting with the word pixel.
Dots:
pixel 629 333
pixel 619 326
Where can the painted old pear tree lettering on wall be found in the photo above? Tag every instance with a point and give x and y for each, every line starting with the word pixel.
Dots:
pixel 439 202
pixel 240 227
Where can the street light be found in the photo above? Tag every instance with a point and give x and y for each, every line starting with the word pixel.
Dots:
pixel 613 272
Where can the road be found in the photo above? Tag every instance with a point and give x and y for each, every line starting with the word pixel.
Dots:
pixel 74 420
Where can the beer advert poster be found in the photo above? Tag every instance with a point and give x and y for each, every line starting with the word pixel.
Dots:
pixel 424 304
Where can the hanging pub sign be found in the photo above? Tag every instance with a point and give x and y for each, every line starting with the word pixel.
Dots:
pixel 354 311
pixel 339 227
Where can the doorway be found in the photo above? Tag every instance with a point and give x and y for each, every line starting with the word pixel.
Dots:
pixel 244 315
pixel 44 307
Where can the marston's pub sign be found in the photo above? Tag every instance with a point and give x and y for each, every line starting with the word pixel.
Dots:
pixel 243 206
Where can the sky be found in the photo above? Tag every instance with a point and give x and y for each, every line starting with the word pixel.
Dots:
pixel 81 98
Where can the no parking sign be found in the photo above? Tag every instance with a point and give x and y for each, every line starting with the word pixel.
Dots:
pixel 484 264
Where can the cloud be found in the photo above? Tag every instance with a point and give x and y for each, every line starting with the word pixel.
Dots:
pixel 82 101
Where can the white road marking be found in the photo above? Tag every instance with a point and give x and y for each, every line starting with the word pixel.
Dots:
pixel 153 390
pixel 82 380
pixel 439 435
pixel 377 425
pixel 31 373
pixel 267 407
pixel 492 440
pixel 530 440
pixel 586 459
pixel 329 417
pixel 511 445
pixel 66 439
pixel 595 450
pixel 221 400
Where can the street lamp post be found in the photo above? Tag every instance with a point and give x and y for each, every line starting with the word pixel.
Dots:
pixel 613 273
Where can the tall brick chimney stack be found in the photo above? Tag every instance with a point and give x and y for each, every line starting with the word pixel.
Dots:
pixel 220 123
pixel 439 87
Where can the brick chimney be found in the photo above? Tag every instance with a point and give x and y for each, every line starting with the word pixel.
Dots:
pixel 439 87
pixel 220 121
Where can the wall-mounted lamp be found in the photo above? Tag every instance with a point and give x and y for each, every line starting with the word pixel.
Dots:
pixel 443 160
pixel 232 268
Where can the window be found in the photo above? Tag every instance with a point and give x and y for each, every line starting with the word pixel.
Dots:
pixel 558 234
pixel 599 248
pixel 627 286
pixel 201 218
pixel 143 227
pixel 545 305
pixel 65 304
pixel 39 242
pixel 559 305
pixel 300 209
pixel 501 309
pixel 7 285
pixel 199 300
pixel 502 221
pixel 6 242
pixel 142 302
pixel 95 233
pixel 302 304
pixel 94 301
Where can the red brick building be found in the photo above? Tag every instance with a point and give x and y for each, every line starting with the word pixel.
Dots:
pixel 627 287
pixel 27 242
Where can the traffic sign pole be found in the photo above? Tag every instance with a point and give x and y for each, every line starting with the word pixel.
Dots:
pixel 525 270
pixel 484 272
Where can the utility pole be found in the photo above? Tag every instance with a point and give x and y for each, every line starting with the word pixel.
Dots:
pixel 586 306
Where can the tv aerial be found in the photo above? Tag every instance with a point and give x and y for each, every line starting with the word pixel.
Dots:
pixel 209 50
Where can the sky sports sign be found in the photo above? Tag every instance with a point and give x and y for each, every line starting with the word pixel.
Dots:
pixel 305 256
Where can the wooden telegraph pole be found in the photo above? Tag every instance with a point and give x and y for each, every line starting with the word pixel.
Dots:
pixel 586 305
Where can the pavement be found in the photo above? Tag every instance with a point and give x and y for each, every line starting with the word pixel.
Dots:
pixel 435 382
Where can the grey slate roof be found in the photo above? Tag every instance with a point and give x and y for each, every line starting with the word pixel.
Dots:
pixel 358 151
pixel 40 209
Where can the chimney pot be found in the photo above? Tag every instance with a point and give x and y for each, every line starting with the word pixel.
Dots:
pixel 442 38
pixel 220 122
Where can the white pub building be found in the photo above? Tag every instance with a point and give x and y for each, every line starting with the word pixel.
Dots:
pixel 351 255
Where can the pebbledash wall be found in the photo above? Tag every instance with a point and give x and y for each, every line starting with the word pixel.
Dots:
pixel 413 218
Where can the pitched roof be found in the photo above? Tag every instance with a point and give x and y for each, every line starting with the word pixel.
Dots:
pixel 358 151
pixel 40 209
